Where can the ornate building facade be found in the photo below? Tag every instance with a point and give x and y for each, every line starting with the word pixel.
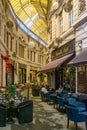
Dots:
pixel 21 56
pixel 67 25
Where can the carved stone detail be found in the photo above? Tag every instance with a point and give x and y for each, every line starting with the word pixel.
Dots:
pixel 82 6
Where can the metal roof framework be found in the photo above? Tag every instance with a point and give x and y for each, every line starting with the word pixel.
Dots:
pixel 34 15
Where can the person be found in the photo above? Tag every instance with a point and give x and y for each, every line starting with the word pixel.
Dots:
pixel 44 93
pixel 59 90
pixel 44 89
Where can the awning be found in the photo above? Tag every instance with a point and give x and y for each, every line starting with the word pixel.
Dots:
pixel 80 59
pixel 56 63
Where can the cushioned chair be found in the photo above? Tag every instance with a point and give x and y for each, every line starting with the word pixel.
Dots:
pixel 3 115
pixel 85 102
pixel 74 114
pixel 61 99
pixel 61 102
pixel 74 103
pixel 43 96
pixel 63 94
pixel 25 112
pixel 85 113
pixel 49 98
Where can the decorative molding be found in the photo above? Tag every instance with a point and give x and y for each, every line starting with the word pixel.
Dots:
pixel 82 6
pixel 68 6
pixel 14 54
pixel 9 24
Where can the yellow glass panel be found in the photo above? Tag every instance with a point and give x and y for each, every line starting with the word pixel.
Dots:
pixel 33 13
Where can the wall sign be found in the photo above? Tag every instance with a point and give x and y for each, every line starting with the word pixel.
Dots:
pixel 63 50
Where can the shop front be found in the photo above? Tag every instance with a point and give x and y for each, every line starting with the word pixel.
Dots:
pixel 22 73
pixel 80 62
pixel 56 69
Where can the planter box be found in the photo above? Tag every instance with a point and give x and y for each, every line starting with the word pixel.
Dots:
pixel 35 92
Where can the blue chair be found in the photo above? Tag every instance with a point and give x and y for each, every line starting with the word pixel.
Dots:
pixel 85 113
pixel 63 94
pixel 49 98
pixel 72 102
pixel 75 115
pixel 61 102
pixel 43 96
pixel 53 97
pixel 61 99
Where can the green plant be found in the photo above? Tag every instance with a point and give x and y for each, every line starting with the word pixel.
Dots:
pixel 42 77
pixel 70 73
pixel 12 92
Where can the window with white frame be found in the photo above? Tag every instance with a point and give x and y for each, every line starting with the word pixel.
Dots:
pixel 32 56
pixel 21 51
pixel 61 23
pixel 28 54
pixel 16 47
pixel 70 18
pixel 40 59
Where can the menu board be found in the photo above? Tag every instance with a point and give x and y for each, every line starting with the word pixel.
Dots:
pixel 82 79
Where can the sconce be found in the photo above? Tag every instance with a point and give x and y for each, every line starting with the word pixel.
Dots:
pixel 55 5
pixel 68 6
pixel 9 24
pixel 31 44
pixel 80 44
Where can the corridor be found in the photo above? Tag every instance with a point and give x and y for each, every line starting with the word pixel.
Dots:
pixel 45 117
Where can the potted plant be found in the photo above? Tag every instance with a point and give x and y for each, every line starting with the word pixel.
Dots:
pixel 42 77
pixel 71 77
pixel 35 90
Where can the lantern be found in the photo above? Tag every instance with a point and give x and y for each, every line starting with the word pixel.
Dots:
pixel 55 5
pixel 5 58
pixel 9 64
pixel 31 44
pixel 68 7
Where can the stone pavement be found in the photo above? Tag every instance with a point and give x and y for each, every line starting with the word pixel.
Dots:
pixel 45 117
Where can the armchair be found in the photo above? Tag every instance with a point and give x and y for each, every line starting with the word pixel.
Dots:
pixel 25 112
pixel 43 96
pixel 49 98
pixel 3 115
pixel 72 102
pixel 61 100
pixel 75 115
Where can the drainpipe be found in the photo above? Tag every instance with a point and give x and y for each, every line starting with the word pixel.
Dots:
pixel 76 80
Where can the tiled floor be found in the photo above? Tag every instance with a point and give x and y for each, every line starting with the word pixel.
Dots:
pixel 45 117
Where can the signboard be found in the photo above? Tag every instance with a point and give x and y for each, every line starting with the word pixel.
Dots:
pixel 64 50
pixel 82 79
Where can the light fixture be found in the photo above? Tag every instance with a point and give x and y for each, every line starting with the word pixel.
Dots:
pixel 55 5
pixel 31 44
pixel 80 44
pixel 9 24
pixel 68 6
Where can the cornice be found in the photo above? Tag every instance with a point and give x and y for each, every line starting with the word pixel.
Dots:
pixel 58 10
pixel 67 33
pixel 80 20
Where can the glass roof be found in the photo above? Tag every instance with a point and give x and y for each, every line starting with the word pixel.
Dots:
pixel 33 13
